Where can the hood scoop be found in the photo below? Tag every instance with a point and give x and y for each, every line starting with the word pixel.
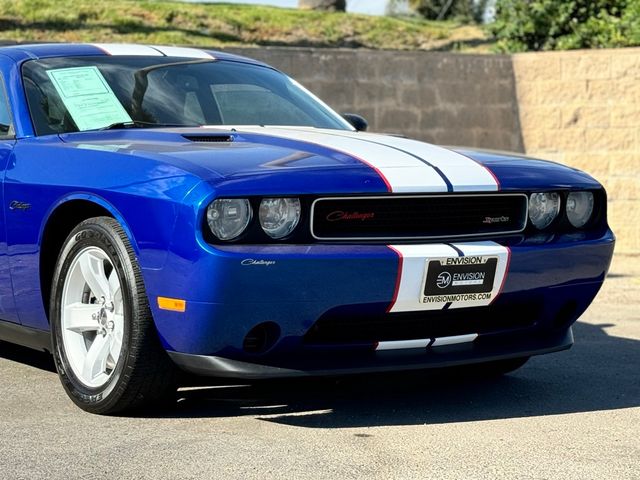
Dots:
pixel 209 138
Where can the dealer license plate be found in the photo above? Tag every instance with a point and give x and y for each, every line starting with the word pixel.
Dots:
pixel 452 279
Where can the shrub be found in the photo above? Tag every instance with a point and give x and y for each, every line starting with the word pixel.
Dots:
pixel 523 25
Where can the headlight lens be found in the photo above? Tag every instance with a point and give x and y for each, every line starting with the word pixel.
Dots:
pixel 229 217
pixel 579 208
pixel 279 216
pixel 543 209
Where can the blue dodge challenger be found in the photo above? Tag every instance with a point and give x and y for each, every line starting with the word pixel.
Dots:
pixel 170 210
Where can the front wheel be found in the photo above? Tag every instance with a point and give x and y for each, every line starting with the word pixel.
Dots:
pixel 105 345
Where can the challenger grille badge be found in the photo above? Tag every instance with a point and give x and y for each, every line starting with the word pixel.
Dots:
pixel 491 220
pixel 339 216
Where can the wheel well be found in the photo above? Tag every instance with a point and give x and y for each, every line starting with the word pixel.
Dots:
pixel 59 225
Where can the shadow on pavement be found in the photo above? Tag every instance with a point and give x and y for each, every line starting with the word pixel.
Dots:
pixel 600 372
pixel 33 358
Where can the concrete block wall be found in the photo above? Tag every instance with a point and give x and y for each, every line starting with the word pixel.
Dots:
pixel 449 99
pixel 582 108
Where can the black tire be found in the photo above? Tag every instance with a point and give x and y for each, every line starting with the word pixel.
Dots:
pixel 143 375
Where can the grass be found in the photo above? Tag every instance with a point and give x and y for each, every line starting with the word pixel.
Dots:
pixel 220 25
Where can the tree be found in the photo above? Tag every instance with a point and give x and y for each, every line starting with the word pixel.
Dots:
pixel 330 5
pixel 461 10
pixel 523 25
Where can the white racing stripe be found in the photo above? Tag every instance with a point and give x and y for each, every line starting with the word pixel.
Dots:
pixel 127 49
pixel 151 50
pixel 406 165
pixel 502 269
pixel 455 340
pixel 426 342
pixel 413 261
pixel 402 344
pixel 402 172
pixel 183 52
pixel 465 174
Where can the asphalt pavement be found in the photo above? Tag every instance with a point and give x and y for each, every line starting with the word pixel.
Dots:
pixel 569 415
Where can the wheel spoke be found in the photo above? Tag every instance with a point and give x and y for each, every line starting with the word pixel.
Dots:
pixel 95 362
pixel 78 317
pixel 114 285
pixel 92 268
pixel 118 321
pixel 115 345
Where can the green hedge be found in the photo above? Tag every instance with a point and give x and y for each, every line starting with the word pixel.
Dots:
pixel 523 25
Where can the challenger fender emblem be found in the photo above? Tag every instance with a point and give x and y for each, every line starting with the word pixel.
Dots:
pixel 16 205
pixel 339 215
pixel 250 261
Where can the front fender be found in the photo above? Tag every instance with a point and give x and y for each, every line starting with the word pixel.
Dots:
pixel 92 198
pixel 144 195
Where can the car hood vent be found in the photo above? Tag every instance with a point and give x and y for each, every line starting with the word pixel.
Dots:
pixel 209 138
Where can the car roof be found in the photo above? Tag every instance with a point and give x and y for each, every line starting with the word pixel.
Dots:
pixel 23 52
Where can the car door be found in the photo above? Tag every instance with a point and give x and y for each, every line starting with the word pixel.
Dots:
pixel 7 142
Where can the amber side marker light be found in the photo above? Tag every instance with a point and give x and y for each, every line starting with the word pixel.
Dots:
pixel 173 304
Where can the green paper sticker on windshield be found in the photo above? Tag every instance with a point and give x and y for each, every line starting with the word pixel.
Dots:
pixel 88 97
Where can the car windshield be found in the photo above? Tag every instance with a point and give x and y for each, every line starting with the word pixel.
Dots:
pixel 88 93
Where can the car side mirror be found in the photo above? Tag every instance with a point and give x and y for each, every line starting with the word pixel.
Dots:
pixel 356 121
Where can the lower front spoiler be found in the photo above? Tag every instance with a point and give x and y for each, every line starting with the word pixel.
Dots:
pixel 482 350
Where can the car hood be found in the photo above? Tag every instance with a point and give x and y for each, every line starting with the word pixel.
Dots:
pixel 306 160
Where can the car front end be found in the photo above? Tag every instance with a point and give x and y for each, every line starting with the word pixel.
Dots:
pixel 360 279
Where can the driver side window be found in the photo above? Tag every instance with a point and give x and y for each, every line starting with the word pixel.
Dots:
pixel 48 113
pixel 6 125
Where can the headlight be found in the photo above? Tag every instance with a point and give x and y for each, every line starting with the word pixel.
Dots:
pixel 543 209
pixel 279 216
pixel 579 208
pixel 229 217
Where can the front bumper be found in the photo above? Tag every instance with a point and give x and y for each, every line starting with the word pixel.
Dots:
pixel 295 286
pixel 484 350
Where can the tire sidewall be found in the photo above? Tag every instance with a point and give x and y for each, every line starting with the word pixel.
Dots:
pixel 93 233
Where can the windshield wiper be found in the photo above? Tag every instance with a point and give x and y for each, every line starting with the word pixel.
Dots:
pixel 143 124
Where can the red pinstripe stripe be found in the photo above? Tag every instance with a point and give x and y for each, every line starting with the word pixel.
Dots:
pixel 398 278
pixel 100 48
pixel 377 170
pixel 489 171
pixel 504 277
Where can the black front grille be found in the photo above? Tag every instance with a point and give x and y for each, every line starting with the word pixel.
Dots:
pixel 344 326
pixel 406 217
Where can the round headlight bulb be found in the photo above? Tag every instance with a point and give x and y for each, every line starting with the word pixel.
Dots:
pixel 279 216
pixel 579 208
pixel 229 217
pixel 543 208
